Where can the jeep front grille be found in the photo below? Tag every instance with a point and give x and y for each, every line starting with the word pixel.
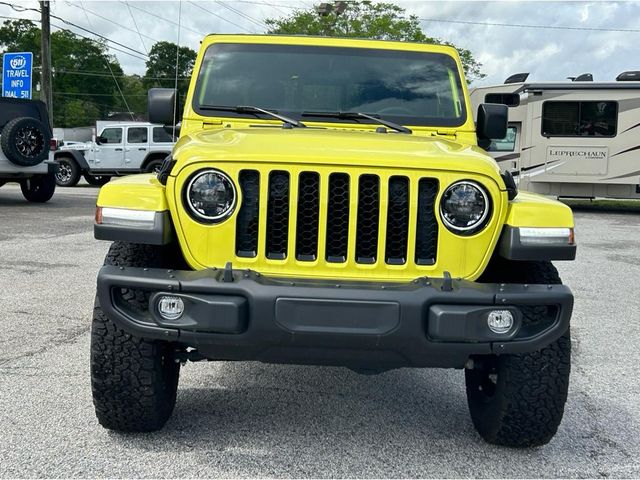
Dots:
pixel 249 214
pixel 337 218
pixel 293 206
pixel 278 215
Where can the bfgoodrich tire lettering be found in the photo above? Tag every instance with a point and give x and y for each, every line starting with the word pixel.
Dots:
pixel 518 400
pixel 134 380
pixel 25 141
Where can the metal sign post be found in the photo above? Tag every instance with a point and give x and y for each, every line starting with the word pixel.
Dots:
pixel 17 74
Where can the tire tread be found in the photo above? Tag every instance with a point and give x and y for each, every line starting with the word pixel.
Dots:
pixel 134 380
pixel 531 393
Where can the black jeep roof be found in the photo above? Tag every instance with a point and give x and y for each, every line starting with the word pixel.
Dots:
pixel 11 108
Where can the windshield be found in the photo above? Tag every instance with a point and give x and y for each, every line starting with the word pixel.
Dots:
pixel 409 88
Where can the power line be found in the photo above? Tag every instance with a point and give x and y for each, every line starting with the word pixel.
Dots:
pixel 65 29
pixel 167 20
pixel 111 47
pixel 67 22
pixel 86 94
pixel 242 14
pixel 114 22
pixel 108 63
pixel 116 105
pixel 267 4
pixel 516 25
pixel 219 16
pixel 97 34
pixel 135 24
pixel 89 73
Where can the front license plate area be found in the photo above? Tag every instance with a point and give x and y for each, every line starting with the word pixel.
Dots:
pixel 344 317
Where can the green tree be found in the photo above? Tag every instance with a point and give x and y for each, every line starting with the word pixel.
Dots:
pixel 366 19
pixel 83 72
pixel 161 66
pixel 77 112
pixel 135 92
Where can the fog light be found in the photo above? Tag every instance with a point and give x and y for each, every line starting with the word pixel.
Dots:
pixel 170 308
pixel 500 321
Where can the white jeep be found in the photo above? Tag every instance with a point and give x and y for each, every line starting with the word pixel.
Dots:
pixel 119 149
pixel 26 145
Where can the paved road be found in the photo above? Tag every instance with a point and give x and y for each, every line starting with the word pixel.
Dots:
pixel 256 420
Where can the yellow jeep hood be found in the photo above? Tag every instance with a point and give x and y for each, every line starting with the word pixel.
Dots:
pixel 330 146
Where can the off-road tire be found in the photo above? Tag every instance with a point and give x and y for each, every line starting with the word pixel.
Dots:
pixel 39 188
pixel 25 141
pixel 518 400
pixel 97 180
pixel 134 380
pixel 69 172
pixel 153 166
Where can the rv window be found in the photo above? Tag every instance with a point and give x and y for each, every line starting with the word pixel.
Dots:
pixel 506 144
pixel 579 119
pixel 508 99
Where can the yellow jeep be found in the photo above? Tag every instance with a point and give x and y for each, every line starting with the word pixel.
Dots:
pixel 328 203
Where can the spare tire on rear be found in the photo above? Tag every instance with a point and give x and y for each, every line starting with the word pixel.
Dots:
pixel 25 141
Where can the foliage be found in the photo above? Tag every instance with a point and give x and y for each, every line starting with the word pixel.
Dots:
pixel 366 19
pixel 135 92
pixel 74 112
pixel 161 66
pixel 83 85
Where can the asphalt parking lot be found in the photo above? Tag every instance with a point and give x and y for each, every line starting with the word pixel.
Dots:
pixel 255 420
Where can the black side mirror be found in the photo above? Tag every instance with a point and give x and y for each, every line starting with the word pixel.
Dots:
pixel 163 105
pixel 492 122
pixel 100 140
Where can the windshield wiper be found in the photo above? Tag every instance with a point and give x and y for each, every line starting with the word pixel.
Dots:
pixel 252 109
pixel 355 115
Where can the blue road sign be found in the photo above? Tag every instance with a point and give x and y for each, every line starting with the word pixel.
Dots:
pixel 16 74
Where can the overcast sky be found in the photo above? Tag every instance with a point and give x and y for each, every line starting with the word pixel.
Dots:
pixel 549 54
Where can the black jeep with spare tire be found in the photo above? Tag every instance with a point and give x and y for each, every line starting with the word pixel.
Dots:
pixel 25 148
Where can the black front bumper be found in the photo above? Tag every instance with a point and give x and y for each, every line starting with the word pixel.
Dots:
pixel 241 315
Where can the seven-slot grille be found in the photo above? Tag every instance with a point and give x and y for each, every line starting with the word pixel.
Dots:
pixel 365 218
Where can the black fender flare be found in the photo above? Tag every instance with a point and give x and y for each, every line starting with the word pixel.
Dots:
pixel 77 156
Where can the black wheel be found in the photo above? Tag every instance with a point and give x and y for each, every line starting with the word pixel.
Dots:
pixel 39 188
pixel 518 400
pixel 25 141
pixel 134 381
pixel 68 174
pixel 97 180
pixel 154 166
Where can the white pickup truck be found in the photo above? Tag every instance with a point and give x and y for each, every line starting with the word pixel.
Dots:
pixel 119 149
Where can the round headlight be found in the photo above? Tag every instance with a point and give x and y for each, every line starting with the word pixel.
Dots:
pixel 210 196
pixel 464 207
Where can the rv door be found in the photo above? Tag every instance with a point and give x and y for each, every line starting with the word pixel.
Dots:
pixel 506 151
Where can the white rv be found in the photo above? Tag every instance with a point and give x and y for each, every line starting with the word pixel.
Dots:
pixel 570 139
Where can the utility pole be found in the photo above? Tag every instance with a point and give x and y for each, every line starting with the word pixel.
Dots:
pixel 46 93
